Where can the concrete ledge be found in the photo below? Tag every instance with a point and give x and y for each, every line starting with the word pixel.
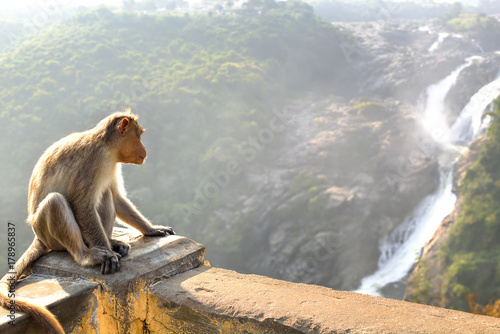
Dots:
pixel 68 298
pixel 150 258
pixel 217 300
pixel 87 302
pixel 162 288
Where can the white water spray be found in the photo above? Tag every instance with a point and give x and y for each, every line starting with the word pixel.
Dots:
pixel 470 122
pixel 440 39
pixel 399 250
pixel 434 121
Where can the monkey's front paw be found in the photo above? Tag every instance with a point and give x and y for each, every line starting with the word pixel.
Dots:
pixel 111 265
pixel 161 231
pixel 120 248
pixel 96 255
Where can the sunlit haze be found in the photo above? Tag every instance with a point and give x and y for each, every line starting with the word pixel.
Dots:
pixel 12 5
pixel 314 141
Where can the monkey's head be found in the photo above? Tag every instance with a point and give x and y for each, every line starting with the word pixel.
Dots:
pixel 122 134
pixel 130 150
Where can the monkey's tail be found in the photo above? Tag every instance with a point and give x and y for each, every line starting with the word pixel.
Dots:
pixel 43 316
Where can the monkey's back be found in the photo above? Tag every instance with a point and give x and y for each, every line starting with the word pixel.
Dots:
pixel 66 167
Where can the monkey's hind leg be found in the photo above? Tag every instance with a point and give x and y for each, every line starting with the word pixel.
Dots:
pixel 55 225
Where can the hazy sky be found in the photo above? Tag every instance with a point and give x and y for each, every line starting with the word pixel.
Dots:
pixel 12 5
pixel 44 3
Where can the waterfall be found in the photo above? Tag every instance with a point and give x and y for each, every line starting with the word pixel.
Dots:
pixel 434 121
pixel 400 249
pixel 470 123
pixel 480 47
pixel 440 39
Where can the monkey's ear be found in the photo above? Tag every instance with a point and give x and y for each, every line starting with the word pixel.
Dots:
pixel 123 126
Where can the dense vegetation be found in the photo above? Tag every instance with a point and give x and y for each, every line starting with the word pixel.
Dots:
pixel 201 84
pixel 481 28
pixel 471 254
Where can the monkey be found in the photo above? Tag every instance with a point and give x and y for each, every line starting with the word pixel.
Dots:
pixel 76 192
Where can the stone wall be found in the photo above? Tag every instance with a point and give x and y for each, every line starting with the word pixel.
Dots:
pixel 164 287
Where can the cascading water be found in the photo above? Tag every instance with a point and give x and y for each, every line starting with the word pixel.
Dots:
pixel 470 122
pixel 400 249
pixel 434 121
pixel 440 39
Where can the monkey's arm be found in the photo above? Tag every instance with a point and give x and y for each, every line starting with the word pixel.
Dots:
pixel 91 227
pixel 128 213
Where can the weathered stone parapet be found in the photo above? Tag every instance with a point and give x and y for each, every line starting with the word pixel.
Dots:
pixel 69 298
pixel 118 303
pixel 163 288
pixel 213 300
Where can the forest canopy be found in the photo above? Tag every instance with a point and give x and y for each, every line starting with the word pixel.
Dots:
pixel 200 83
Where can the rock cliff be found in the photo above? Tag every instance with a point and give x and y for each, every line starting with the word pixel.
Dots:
pixel 315 200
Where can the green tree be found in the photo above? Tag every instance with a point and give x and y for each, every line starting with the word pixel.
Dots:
pixel 453 12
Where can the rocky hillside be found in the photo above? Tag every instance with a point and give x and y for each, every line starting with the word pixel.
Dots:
pixel 289 146
pixel 348 168
pixel 323 200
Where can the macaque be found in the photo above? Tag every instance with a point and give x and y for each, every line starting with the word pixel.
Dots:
pixel 75 194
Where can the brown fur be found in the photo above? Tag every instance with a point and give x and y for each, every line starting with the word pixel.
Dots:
pixel 75 193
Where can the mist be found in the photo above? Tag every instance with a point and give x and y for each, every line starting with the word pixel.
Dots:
pixel 315 142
